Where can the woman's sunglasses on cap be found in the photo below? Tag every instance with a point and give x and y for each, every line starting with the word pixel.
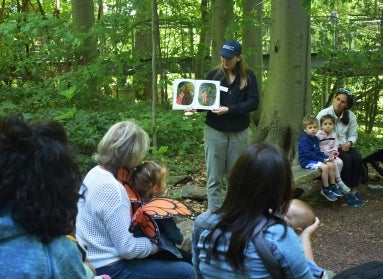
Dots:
pixel 345 91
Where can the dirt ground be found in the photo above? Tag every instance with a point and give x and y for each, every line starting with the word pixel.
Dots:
pixel 349 236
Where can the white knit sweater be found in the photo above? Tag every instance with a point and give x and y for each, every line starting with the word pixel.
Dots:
pixel 103 221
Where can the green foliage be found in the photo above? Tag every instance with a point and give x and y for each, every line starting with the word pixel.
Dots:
pixel 369 143
pixel 42 75
pixel 179 137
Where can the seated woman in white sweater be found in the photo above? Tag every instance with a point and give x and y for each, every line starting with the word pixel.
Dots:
pixel 104 216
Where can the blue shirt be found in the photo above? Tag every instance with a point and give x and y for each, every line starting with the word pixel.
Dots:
pixel 309 150
pixel 287 250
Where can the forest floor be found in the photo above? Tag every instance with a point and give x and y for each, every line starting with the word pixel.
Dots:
pixel 347 236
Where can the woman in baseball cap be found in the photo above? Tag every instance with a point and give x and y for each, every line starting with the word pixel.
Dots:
pixel 226 130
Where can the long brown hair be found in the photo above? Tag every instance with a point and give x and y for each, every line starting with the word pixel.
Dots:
pixel 350 102
pixel 239 69
pixel 260 182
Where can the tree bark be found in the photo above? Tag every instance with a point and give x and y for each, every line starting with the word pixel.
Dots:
pixel 143 50
pixel 155 41
pixel 252 45
pixel 203 46
pixel 287 95
pixel 221 16
pixel 83 20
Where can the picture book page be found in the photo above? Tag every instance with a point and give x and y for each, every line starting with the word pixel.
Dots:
pixel 196 94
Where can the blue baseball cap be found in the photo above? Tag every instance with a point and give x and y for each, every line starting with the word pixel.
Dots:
pixel 230 49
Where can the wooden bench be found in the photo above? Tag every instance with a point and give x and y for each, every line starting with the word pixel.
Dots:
pixel 189 190
pixel 302 176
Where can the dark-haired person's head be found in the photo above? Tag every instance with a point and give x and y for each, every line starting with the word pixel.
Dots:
pixel 39 177
pixel 259 184
pixel 342 102
pixel 260 181
pixel 348 94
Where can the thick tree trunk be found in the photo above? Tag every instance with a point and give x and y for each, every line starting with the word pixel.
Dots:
pixel 83 20
pixel 155 54
pixel 221 16
pixel 143 50
pixel 203 46
pixel 252 44
pixel 252 40
pixel 287 95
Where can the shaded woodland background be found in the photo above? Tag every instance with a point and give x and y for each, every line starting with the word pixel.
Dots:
pixel 91 63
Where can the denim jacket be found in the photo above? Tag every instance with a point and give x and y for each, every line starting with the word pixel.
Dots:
pixel 287 250
pixel 24 256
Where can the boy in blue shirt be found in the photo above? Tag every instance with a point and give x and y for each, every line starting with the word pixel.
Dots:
pixel 311 157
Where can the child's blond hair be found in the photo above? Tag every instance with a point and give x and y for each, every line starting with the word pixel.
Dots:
pixel 309 120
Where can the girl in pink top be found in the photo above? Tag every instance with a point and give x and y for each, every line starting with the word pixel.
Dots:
pixel 328 144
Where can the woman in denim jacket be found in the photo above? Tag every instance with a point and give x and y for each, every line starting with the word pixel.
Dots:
pixel 224 241
pixel 39 183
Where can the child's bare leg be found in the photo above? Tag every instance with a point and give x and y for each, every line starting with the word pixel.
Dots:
pixel 338 168
pixel 327 188
pixel 324 174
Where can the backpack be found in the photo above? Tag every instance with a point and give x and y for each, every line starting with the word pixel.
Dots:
pixel 374 160
pixel 369 270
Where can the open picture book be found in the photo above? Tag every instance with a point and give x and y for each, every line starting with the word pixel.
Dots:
pixel 196 94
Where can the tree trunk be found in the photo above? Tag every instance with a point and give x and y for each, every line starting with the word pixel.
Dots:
pixel 155 40
pixel 143 50
pixel 83 20
pixel 252 45
pixel 203 46
pixel 252 41
pixel 221 16
pixel 287 96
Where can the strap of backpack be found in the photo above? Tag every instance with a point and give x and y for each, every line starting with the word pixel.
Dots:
pixel 263 248
pixel 265 251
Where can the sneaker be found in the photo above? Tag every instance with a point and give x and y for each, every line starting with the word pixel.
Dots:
pixel 343 187
pixel 335 190
pixel 358 199
pixel 326 192
pixel 351 200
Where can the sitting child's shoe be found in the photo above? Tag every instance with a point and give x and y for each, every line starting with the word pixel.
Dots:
pixel 326 192
pixel 335 190
pixel 343 187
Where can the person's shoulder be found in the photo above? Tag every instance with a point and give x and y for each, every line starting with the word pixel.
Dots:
pixel 280 230
pixel 250 72
pixel 324 111
pixel 63 247
pixel 320 134
pixel 203 216
pixel 281 235
pixel 302 136
pixel 67 257
pixel 351 115
pixel 211 75
pixel 206 219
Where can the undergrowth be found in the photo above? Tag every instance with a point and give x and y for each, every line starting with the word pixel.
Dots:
pixel 179 137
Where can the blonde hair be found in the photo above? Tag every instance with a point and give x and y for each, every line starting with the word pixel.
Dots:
pixel 309 120
pixel 125 144
pixel 240 69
